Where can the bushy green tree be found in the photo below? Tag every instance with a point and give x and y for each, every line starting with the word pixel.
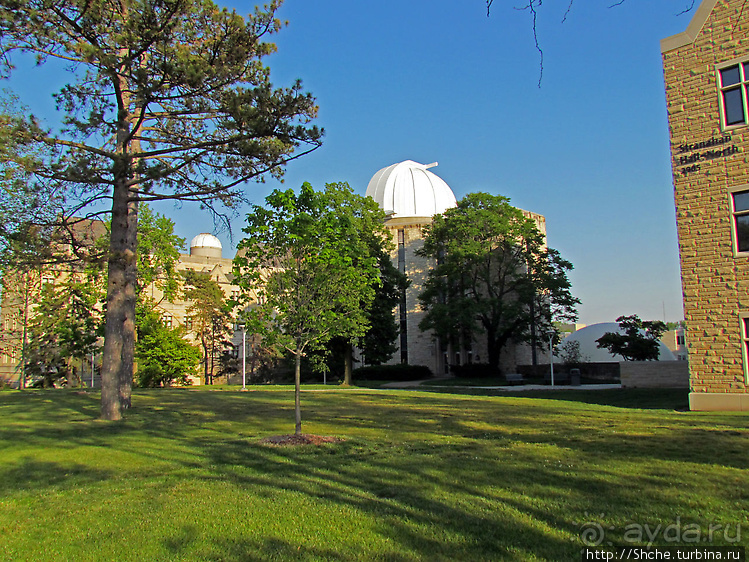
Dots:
pixel 211 318
pixel 64 330
pixel 165 357
pixel 166 100
pixel 309 263
pixel 639 342
pixel 494 276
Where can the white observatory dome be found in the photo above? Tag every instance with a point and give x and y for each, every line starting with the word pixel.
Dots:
pixel 205 244
pixel 409 189
pixel 588 347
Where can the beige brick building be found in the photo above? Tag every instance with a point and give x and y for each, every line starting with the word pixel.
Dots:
pixel 20 292
pixel 411 195
pixel 706 71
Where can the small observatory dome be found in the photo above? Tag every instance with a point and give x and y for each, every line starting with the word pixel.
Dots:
pixel 409 189
pixel 207 245
pixel 588 347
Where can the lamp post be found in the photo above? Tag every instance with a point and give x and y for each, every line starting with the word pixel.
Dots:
pixel 551 355
pixel 244 347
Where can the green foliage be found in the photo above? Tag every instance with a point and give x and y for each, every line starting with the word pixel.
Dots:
pixel 399 372
pixel 570 354
pixel 639 342
pixel 308 259
pixel 494 276
pixel 180 85
pixel 211 319
pixel 158 252
pixel 164 356
pixel 65 327
pixel 380 341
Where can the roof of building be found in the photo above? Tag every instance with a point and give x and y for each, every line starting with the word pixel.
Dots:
pixel 693 29
pixel 205 240
pixel 409 189
pixel 589 348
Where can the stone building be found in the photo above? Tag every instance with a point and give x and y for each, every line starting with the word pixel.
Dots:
pixel 411 195
pixel 16 303
pixel 706 71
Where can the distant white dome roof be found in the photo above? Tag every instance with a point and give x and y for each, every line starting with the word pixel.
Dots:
pixel 205 240
pixel 408 189
pixel 589 348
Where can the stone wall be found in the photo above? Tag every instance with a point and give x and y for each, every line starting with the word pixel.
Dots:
pixel 654 374
pixel 715 281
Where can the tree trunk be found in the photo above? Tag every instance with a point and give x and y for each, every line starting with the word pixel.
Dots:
pixel 494 347
pixel 119 330
pixel 348 364
pixel 298 391
pixel 118 356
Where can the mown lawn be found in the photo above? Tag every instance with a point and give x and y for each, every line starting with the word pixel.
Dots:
pixel 420 475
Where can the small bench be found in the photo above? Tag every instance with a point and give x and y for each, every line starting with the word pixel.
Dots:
pixel 514 378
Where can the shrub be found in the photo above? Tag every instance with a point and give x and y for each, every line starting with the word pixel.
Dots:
pixel 474 371
pixel 391 373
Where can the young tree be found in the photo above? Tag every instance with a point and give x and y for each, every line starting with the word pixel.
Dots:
pixel 570 354
pixel 493 275
pixel 639 342
pixel 309 264
pixel 164 356
pixel 211 318
pixel 168 99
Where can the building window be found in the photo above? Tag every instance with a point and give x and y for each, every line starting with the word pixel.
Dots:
pixel 740 210
pixel 168 320
pixel 733 81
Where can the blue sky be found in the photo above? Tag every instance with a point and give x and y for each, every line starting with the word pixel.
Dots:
pixel 436 80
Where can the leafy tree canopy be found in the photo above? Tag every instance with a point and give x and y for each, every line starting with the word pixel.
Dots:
pixel 639 342
pixel 164 356
pixel 65 328
pixel 307 258
pixel 494 275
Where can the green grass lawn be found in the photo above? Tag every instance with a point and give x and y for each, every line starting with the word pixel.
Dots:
pixel 420 475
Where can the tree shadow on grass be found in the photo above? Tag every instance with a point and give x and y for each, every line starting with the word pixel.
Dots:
pixel 438 477
pixel 250 550
pixel 33 475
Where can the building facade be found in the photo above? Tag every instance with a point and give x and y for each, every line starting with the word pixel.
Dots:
pixel 706 73
pixel 21 290
pixel 411 195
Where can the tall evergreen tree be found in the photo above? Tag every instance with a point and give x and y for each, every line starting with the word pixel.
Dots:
pixel 168 99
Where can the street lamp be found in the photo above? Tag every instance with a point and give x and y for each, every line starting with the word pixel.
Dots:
pixel 551 335
pixel 244 340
